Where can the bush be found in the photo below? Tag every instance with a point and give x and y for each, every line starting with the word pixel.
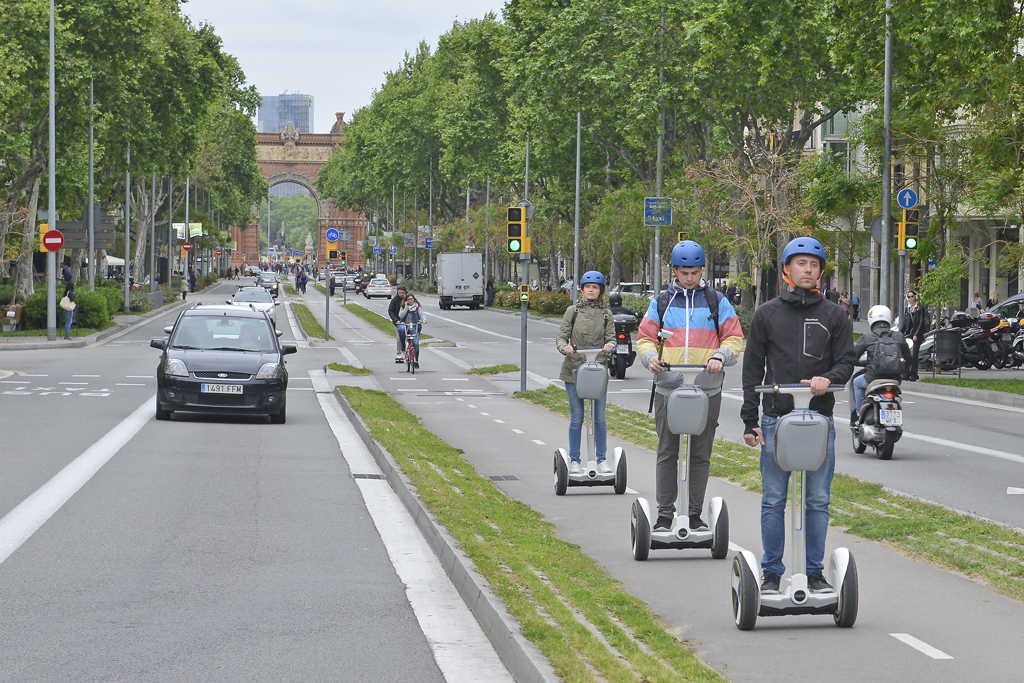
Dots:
pixel 637 304
pixel 92 309
pixel 139 300
pixel 540 302
pixel 421 286
pixel 34 314
pixel 114 297
pixel 6 294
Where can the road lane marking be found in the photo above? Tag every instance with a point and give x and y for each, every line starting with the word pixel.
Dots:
pixel 459 399
pixel 965 401
pixel 473 327
pixel 403 379
pixel 18 525
pixel 518 431
pixel 920 646
pixel 486 414
pixel 455 379
pixel 1013 491
pixel 501 422
pixel 350 357
pixel 85 375
pixel 14 381
pixel 35 375
pixel 460 647
pixel 453 359
pixel 126 384
pixel 73 383
pixel 128 376
pixel 539 442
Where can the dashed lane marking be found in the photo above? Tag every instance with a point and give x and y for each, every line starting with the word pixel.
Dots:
pixel 501 422
pixel 539 442
pixel 128 384
pixel 518 431
pixel 920 646
pixel 1014 491
pixel 85 375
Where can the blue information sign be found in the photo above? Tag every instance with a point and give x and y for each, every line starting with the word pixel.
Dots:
pixel 332 235
pixel 428 242
pixel 298 253
pixel 907 199
pixel 376 249
pixel 394 249
pixel 657 212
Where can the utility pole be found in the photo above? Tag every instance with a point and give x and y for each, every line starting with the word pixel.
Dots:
pixel 525 258
pixel 188 237
pixel 51 215
pixel 92 206
pixel 659 170
pixel 487 237
pixel 430 227
pixel 152 240
pixel 886 250
pixel 127 230
pixel 171 242
pixel 575 291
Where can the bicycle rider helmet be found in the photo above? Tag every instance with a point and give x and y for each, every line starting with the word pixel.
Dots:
pixel 687 253
pixel 804 245
pixel 615 299
pixel 593 276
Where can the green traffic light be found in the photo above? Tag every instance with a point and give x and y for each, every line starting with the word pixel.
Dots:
pixel 515 246
pixel 911 243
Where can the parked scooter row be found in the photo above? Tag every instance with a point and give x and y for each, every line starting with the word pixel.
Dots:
pixel 985 342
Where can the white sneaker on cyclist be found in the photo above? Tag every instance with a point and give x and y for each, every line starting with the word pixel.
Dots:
pixel 604 468
pixel 574 467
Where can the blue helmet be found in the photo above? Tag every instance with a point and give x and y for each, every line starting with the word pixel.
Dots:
pixel 592 276
pixel 687 253
pixel 804 245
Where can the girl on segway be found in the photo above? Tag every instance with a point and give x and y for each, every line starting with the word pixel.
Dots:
pixel 586 324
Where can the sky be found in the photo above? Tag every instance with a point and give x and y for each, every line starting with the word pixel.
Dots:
pixel 336 51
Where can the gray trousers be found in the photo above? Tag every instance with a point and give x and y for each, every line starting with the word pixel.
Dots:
pixel 667 468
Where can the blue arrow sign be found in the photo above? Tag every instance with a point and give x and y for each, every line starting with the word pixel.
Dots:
pixel 907 199
pixel 394 249
pixel 657 211
pixel 332 235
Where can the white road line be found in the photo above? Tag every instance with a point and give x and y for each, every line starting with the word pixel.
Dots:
pixel 965 401
pixel 453 359
pixel 469 406
pixel 459 399
pixel 126 376
pixel 501 422
pixel 73 383
pixel 350 357
pixel 461 649
pixel 1013 491
pixel 486 414
pixel 454 379
pixel 14 381
pixel 539 442
pixel 127 384
pixel 920 646
pixel 473 327
pixel 35 375
pixel 403 379
pixel 85 375
pixel 518 431
pixel 18 525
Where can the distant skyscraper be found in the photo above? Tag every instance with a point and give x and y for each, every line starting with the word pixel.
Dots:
pixel 277 111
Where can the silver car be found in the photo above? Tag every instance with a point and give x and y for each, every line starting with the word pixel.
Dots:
pixel 257 298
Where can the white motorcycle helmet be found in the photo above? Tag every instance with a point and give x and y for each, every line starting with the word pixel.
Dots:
pixel 880 314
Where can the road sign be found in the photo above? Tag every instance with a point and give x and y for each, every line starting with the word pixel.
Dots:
pixel 657 212
pixel 907 199
pixel 187 246
pixel 394 249
pixel 217 252
pixel 53 240
pixel 343 235
pixel 297 253
pixel 376 249
pixel 876 228
pixel 428 243
pixel 333 235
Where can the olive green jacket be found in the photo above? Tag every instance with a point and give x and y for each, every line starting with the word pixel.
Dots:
pixel 594 328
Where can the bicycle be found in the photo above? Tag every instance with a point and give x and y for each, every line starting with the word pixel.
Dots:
pixel 412 336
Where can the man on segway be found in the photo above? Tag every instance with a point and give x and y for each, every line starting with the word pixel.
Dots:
pixel 799 337
pixel 888 354
pixel 705 331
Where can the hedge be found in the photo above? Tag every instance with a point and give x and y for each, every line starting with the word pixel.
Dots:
pixel 541 302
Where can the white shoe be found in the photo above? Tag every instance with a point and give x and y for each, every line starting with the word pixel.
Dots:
pixel 604 468
pixel 574 467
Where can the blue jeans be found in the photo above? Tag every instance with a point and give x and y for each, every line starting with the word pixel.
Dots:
pixel 576 424
pixel 860 387
pixel 775 484
pixel 414 332
pixel 69 316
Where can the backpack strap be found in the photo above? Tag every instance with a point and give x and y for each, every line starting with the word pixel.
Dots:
pixel 709 293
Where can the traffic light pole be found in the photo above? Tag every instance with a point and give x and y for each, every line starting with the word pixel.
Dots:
pixel 886 246
pixel 903 276
pixel 525 258
pixel 575 290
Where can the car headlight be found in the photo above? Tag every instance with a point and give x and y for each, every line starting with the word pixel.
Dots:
pixel 176 368
pixel 269 371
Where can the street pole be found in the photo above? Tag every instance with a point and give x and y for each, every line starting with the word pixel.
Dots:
pixel 268 226
pixel 327 309
pixel 658 185
pixel 430 227
pixel 184 264
pixel 487 236
pixel 574 292
pixel 171 242
pixel 127 230
pixel 467 213
pixel 525 258
pixel 92 206
pixel 152 240
pixel 886 250
pixel 51 215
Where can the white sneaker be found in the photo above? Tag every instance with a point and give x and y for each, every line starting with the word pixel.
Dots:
pixel 574 467
pixel 604 468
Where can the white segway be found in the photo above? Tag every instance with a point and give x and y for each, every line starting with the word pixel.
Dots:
pixel 801 444
pixel 591 384
pixel 687 409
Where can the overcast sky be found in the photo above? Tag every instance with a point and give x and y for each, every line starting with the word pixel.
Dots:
pixel 335 51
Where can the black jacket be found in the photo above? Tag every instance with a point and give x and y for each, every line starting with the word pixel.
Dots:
pixel 798 335
pixel 396 303
pixel 869 340
pixel 912 324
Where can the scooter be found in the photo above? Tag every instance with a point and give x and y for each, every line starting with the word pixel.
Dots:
pixel 687 414
pixel 801 444
pixel 879 423
pixel 623 356
pixel 591 384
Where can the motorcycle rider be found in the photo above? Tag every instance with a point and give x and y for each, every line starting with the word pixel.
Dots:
pixel 698 338
pixel 797 337
pixel 615 305
pixel 880 320
pixel 913 326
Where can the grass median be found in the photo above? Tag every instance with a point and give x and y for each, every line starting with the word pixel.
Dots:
pixel 377 320
pixel 1009 386
pixel 308 322
pixel 350 369
pixel 289 290
pixel 583 621
pixel 494 369
pixel 919 529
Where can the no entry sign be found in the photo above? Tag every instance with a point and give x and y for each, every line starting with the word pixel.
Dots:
pixel 187 246
pixel 53 240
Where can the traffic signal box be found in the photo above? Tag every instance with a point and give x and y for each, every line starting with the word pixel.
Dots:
pixel 344 257
pixel 524 293
pixel 43 229
pixel 910 229
pixel 516 230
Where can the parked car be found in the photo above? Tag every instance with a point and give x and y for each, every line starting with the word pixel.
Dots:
pixel 378 287
pixel 633 288
pixel 1013 307
pixel 222 359
pixel 256 298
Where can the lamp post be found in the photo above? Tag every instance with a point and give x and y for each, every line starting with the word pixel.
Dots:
pixel 51 190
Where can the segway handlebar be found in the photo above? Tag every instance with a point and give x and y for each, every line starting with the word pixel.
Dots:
pixel 593 352
pixel 792 388
pixel 678 368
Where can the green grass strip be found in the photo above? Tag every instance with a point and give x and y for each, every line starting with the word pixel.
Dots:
pixel 289 290
pixel 494 369
pixel 583 621
pixel 350 369
pixel 377 320
pixel 922 530
pixel 308 322
pixel 75 331
pixel 1009 386
pixel 321 289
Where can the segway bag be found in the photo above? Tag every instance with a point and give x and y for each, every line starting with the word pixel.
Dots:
pixel 687 409
pixel 591 380
pixel 801 441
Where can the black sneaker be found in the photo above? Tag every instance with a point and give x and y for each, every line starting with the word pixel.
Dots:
pixel 817 584
pixel 697 524
pixel 770 584
pixel 663 524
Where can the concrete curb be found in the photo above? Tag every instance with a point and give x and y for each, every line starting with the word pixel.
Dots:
pixel 312 341
pixel 523 659
pixel 1001 398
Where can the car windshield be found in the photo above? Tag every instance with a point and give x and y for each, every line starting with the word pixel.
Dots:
pixel 268 277
pixel 380 283
pixel 255 296
pixel 223 332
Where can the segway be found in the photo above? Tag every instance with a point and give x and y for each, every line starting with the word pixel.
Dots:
pixel 801 444
pixel 591 384
pixel 687 409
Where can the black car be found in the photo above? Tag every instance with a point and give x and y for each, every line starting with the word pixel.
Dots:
pixel 222 359
pixel 268 281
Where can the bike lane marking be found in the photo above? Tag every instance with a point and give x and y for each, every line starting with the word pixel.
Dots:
pixel 920 646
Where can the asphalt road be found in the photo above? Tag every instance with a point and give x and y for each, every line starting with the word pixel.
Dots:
pixel 204 548
pixel 917 623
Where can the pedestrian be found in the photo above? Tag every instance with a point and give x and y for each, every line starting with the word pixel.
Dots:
pixel 706 331
pixel 303 279
pixel 236 272
pixel 798 337
pixel 855 303
pixel 730 293
pixel 586 324
pixel 844 302
pixel 192 280
pixel 69 292
pixel 393 309
pixel 976 301
pixel 489 289
pixel 913 325
pixel 184 286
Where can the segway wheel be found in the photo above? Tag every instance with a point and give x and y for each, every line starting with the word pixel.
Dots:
pixel 849 598
pixel 620 475
pixel 885 450
pixel 561 475
pixel 720 535
pixel 640 533
pixel 744 595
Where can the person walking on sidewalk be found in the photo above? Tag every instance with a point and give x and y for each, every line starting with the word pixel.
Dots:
pixel 69 292
pixel 706 331
pixel 798 337
pixel 913 325
pixel 393 308
pixel 587 324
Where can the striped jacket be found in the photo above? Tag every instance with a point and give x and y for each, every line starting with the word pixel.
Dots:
pixel 694 340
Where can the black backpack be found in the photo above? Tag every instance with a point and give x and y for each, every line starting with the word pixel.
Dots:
pixel 887 361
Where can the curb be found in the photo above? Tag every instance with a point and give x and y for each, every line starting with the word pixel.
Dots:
pixel 523 659
pixel 997 397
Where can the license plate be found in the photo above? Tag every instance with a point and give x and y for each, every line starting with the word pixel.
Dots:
pixel 220 388
pixel 622 348
pixel 463 298
pixel 892 418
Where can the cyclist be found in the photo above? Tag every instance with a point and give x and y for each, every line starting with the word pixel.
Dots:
pixel 411 315
pixel 393 307
pixel 586 324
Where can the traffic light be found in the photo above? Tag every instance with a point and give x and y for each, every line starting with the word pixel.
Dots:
pixel 911 229
pixel 680 236
pixel 516 229
pixel 344 257
pixel 333 253
pixel 524 293
pixel 43 229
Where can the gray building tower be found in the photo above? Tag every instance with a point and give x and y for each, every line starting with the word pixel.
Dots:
pixel 278 110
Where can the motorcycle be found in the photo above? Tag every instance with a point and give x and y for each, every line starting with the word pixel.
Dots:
pixel 623 356
pixel 879 423
pixel 1017 346
pixel 976 348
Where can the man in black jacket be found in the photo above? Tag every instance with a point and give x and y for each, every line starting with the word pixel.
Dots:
pixel 912 325
pixel 393 308
pixel 798 337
